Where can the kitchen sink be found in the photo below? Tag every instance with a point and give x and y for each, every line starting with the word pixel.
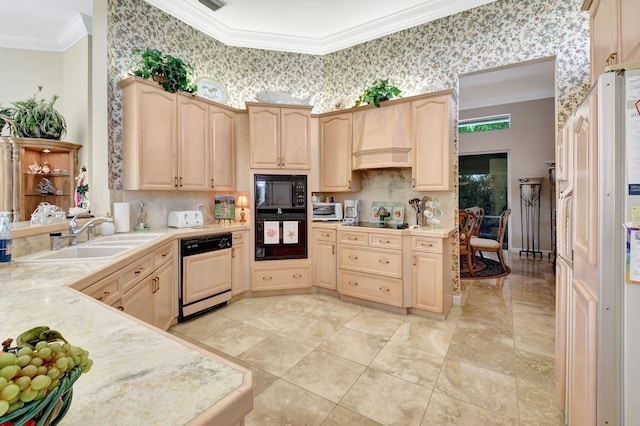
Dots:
pixel 79 252
pixel 127 237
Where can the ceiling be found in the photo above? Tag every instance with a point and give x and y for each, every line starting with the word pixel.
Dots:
pixel 56 25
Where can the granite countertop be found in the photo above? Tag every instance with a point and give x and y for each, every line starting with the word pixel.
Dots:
pixel 141 374
pixel 427 231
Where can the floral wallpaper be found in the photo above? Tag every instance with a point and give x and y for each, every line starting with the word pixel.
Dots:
pixel 424 58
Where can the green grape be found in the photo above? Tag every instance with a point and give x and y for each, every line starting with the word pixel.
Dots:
pixel 45 353
pixel 40 382
pixel 54 373
pixel 7 359
pixel 41 344
pixel 15 406
pixel 37 361
pixel 70 363
pixel 86 368
pixel 28 395
pixel 3 382
pixel 23 360
pixel 23 382
pixel 42 370
pixel 9 371
pixel 54 384
pixel 4 407
pixel 9 392
pixel 29 370
pixel 41 394
pixel 61 364
pixel 14 399
pixel 56 347
pixel 25 351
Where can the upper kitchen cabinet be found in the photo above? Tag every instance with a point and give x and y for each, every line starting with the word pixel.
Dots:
pixel 615 34
pixel 336 172
pixel 433 135
pixel 175 140
pixel 280 136
pixel 35 171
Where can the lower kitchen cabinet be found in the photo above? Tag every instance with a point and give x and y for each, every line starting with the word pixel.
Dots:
pixel 430 279
pixel 371 287
pixel 164 295
pixel 137 302
pixel 239 263
pixel 280 275
pixel 324 258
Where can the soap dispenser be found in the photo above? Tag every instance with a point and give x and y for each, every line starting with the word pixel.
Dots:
pixel 6 238
pixel 141 219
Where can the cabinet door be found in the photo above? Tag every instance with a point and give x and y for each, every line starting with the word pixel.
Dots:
pixel 137 302
pixel 264 137
pixel 164 295
pixel 324 264
pixel 222 145
pixel 428 282
pixel 583 352
pixel 563 153
pixel 432 130
pixel 206 274
pixel 295 138
pixel 604 36
pixel 239 267
pixel 336 173
pixel 563 283
pixel 629 31
pixel 193 144
pixel 156 140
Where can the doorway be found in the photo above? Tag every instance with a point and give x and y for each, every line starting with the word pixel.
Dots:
pixel 484 182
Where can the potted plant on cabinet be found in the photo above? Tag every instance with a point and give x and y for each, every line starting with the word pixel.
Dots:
pixel 171 72
pixel 34 118
pixel 379 91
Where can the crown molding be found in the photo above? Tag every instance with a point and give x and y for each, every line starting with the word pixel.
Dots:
pixel 79 26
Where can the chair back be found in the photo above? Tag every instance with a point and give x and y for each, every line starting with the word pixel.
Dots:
pixel 502 225
pixel 479 218
pixel 466 221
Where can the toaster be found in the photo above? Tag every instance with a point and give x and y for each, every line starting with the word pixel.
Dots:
pixel 185 219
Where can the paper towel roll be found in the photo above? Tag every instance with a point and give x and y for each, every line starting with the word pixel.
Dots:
pixel 121 218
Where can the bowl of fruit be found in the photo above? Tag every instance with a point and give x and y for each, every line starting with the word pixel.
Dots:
pixel 37 373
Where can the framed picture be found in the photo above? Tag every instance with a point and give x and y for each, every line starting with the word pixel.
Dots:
pixel 211 89
pixel 224 207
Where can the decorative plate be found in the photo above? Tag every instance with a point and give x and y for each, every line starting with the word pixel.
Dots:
pixel 212 90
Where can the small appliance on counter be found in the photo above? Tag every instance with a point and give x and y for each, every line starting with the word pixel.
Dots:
pixel 185 219
pixel 326 211
pixel 351 212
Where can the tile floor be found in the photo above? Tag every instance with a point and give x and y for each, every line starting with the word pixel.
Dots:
pixel 320 361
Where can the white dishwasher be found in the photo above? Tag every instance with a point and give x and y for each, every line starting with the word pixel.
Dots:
pixel 205 274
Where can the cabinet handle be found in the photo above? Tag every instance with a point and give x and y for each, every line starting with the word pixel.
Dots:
pixel 353 283
pixel 180 180
pixel 175 181
pixel 353 257
pixel 105 294
pixel 165 254
pixel 138 271
pixel 353 238
pixel 414 261
pixel 384 289
pixel 611 59
pixel 212 183
pixel 266 278
pixel 325 235
pixel 233 253
pixel 385 241
pixel 297 275
pixel 413 182
pixel 333 249
pixel 426 245
pixel 120 308
pixel 383 261
pixel 349 185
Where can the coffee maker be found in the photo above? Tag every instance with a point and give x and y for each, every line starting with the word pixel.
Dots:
pixel 351 211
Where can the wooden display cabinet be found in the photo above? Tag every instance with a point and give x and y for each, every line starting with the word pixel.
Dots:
pixel 38 170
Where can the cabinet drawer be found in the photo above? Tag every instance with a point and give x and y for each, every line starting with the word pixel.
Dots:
pixel 354 237
pixel 107 290
pixel 372 260
pixel 324 234
pixel 163 255
pixel 238 238
pixel 277 278
pixel 385 241
pixel 428 244
pixel 136 271
pixel 376 288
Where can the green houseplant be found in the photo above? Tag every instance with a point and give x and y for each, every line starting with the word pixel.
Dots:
pixel 34 118
pixel 380 90
pixel 171 72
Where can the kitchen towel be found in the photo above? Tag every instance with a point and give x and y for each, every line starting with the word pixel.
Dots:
pixel 290 232
pixel 271 232
pixel 121 217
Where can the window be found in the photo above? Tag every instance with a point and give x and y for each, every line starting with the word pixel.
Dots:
pixel 483 124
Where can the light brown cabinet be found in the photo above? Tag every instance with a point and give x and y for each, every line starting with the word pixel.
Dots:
pixel 563 285
pixel 279 136
pixel 615 35
pixel 163 295
pixel 280 275
pixel 430 293
pixel 175 140
pixel 336 164
pixel 35 171
pixel 239 263
pixel 433 135
pixel 324 258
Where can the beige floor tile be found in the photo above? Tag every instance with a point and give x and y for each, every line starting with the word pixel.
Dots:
pixel 309 331
pixel 410 364
pixel 325 374
pixel 245 308
pixel 286 404
pixel 236 338
pixel 341 416
pixel 443 410
pixel 375 322
pixel 276 354
pixel 261 380
pixel 479 386
pixel 387 399
pixel 335 313
pixel 202 326
pixel 537 406
pixel 537 368
pixel 448 325
pixel 487 349
pixel 271 320
pixel 531 330
pixel 353 345
pixel 421 336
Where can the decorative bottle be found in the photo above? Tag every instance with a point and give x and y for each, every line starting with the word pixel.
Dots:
pixel 5 238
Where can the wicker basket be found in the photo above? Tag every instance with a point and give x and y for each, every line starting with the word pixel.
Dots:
pixel 50 409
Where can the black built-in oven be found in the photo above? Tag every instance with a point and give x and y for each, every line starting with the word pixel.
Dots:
pixel 280 217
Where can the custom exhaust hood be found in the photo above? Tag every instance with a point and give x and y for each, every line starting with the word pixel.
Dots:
pixel 382 137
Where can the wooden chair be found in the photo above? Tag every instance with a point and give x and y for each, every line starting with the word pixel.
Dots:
pixel 479 213
pixel 466 221
pixel 487 244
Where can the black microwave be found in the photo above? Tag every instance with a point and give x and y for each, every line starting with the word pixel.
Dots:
pixel 284 192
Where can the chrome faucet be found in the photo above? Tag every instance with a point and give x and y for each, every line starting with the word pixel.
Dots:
pixel 75 231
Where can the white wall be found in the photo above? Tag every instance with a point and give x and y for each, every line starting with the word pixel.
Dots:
pixel 530 141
